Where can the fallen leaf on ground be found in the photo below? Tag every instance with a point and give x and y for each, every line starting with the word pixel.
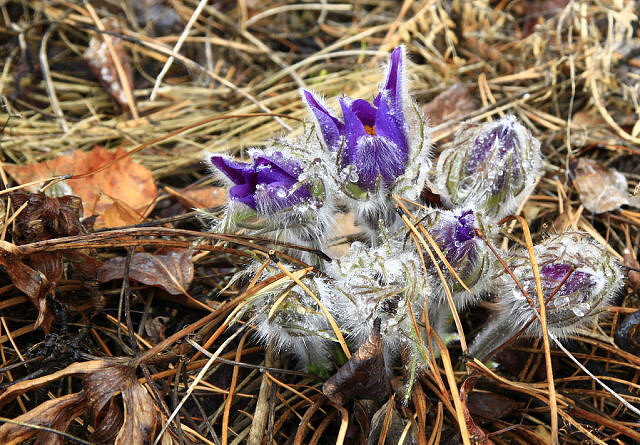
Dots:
pixel 55 413
pixel 601 189
pixel 125 180
pixel 33 283
pixel 453 103
pixel 363 376
pixel 45 217
pixel 122 410
pixel 203 198
pixel 477 434
pixel 120 214
pixel 170 269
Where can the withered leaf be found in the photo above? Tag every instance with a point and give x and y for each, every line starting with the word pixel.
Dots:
pixel 633 275
pixel 101 63
pixel 394 430
pixel 31 282
pixel 45 218
pixel 125 180
pixel 55 413
pixel 120 214
pixel 453 103
pixel 363 376
pixel 477 434
pixel 628 333
pixel 170 269
pixel 122 410
pixel 601 189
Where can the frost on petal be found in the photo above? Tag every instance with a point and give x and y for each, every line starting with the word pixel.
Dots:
pixel 491 168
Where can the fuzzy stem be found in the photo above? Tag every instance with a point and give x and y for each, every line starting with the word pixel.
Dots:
pixel 498 332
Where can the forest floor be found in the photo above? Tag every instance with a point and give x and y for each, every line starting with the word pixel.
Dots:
pixel 116 308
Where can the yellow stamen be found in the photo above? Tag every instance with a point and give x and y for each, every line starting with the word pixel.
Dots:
pixel 370 129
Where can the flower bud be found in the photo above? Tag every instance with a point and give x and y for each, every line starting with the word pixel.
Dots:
pixel 288 318
pixel 279 189
pixel 491 168
pixel 379 282
pixel 579 278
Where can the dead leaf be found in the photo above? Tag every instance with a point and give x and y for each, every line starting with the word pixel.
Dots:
pixel 125 180
pixel 120 214
pixel 453 103
pixel 363 376
pixel 99 59
pixel 55 413
pixel 45 217
pixel 202 198
pixel 601 189
pixel 633 275
pixel 394 428
pixel 477 434
pixel 170 269
pixel 33 283
pixel 628 333
pixel 122 410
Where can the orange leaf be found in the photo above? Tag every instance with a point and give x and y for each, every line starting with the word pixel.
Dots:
pixel 124 180
pixel 120 214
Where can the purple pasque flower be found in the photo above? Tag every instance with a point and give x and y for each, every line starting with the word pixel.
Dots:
pixel 579 278
pixel 468 255
pixel 268 184
pixel 490 168
pixel 373 138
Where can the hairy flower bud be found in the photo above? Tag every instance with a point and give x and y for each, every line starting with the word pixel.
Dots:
pixel 380 283
pixel 578 276
pixel 491 168
pixel 288 318
pixel 280 189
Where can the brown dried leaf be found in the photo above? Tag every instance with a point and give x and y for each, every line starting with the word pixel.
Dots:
pixel 99 59
pixel 601 189
pixel 125 180
pixel 31 282
pixel 138 421
pixel 392 432
pixel 45 217
pixel 633 276
pixel 131 419
pixel 363 376
pixel 120 214
pixel 477 435
pixel 56 414
pixel 75 369
pixel 203 198
pixel 170 269
pixel 453 103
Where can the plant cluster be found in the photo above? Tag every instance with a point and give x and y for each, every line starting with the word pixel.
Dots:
pixel 374 162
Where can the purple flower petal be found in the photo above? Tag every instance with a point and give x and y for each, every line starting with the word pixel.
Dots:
pixel 553 274
pixel 330 127
pixel 354 130
pixel 244 193
pixel 374 157
pixel 388 127
pixel 243 175
pixel 464 227
pixel 238 172
pixel 365 112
